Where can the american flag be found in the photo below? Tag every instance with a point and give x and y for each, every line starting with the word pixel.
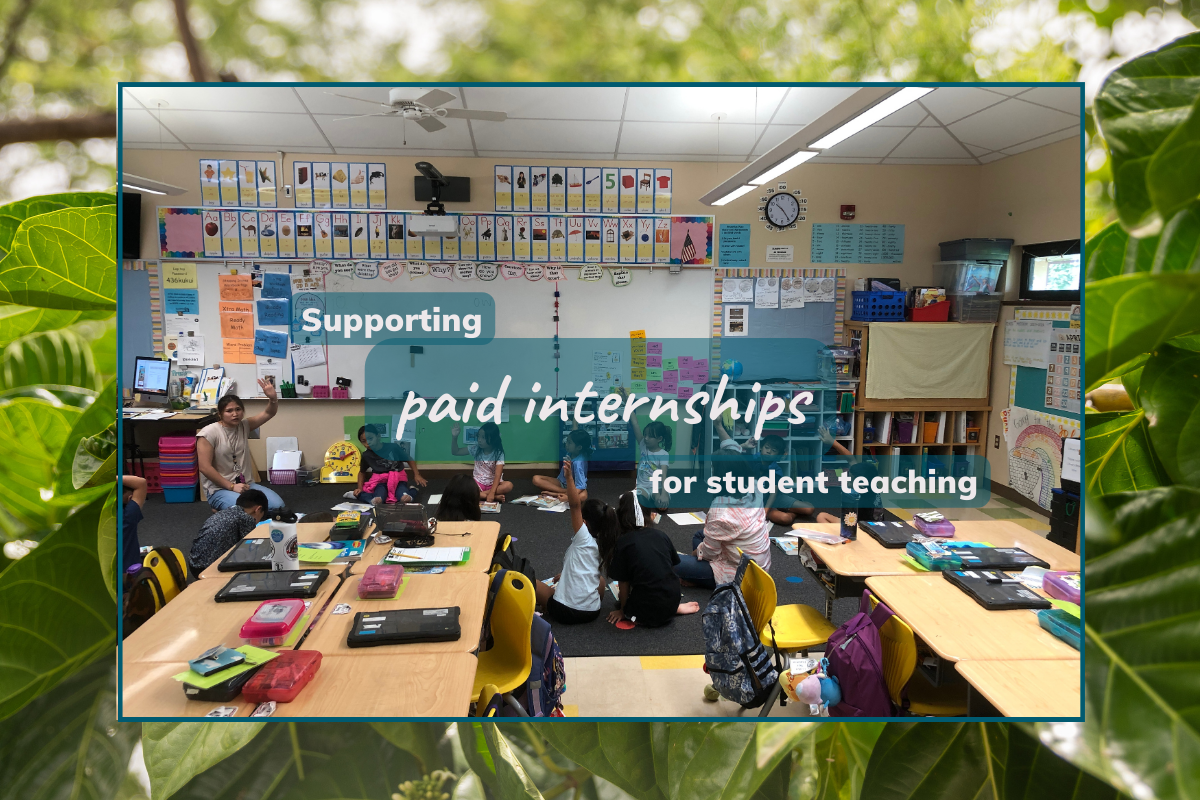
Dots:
pixel 689 250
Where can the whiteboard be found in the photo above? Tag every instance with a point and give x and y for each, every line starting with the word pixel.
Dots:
pixel 667 306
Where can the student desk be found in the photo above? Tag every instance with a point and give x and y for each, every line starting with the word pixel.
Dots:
pixel 956 628
pixel 1022 688
pixel 180 423
pixel 306 532
pixel 854 562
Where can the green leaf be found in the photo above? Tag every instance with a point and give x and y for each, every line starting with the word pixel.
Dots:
pixel 418 738
pixel 932 761
pixel 1134 513
pixel 370 772
pixel 469 787
pixel 660 746
pixel 476 752
pixel 106 541
pixel 778 738
pixel 512 782
pixel 1134 314
pixel 1033 772
pixel 65 259
pixel 68 744
pixel 1176 248
pixel 1118 454
pixel 73 396
pixel 13 214
pixel 56 614
pixel 1174 172
pixel 619 752
pixel 1170 395
pixel 18 321
pixel 841 753
pixel 53 357
pixel 176 752
pixel 32 434
pixel 711 760
pixel 95 418
pixel 1138 107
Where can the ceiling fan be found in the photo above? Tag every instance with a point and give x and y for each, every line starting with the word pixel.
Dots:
pixel 426 110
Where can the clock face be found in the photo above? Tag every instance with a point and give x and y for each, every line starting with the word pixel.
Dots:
pixel 782 210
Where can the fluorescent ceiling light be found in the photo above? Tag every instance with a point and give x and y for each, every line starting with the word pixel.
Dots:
pixel 734 195
pixel 889 105
pixel 784 166
pixel 140 184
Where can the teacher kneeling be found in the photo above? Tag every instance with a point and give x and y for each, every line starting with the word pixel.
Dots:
pixel 224 453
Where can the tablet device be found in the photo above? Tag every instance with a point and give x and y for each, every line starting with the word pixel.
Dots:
pixel 994 590
pixel 271 585
pixel 402 626
pixel 247 555
pixel 998 558
pixel 890 534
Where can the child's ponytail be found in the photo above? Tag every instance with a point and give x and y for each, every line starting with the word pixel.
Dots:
pixel 601 520
pixel 659 430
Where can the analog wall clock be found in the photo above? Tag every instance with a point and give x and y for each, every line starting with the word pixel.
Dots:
pixel 782 210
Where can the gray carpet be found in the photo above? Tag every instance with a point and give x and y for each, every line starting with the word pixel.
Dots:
pixel 543 539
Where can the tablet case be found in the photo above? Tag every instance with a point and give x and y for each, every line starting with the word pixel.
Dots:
pixel 998 558
pixel 224 691
pixel 261 586
pixel 248 554
pixel 403 626
pixel 983 586
pixel 890 534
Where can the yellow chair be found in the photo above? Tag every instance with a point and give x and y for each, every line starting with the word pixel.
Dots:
pixel 170 572
pixel 899 650
pixel 489 701
pixel 507 662
pixel 787 628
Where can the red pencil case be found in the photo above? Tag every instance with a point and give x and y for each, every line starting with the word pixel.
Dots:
pixel 272 622
pixel 380 581
pixel 282 678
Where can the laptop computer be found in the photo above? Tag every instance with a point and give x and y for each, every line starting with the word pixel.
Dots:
pixel 890 534
pixel 248 555
pixel 997 558
pixel 403 626
pixel 302 583
pixel 994 590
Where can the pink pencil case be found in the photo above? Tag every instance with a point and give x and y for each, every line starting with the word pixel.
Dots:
pixel 272 621
pixel 1063 586
pixel 380 581
pixel 939 527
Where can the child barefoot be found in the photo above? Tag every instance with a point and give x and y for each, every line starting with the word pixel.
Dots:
pixel 643 564
pixel 579 447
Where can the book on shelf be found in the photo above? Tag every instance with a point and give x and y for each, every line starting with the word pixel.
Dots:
pixel 941 433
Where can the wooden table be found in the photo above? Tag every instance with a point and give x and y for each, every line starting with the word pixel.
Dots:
pixel 306 532
pixel 1022 688
pixel 956 628
pixel 853 562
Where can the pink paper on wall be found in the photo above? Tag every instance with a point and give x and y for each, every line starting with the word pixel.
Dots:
pixel 691 240
pixel 685 362
pixel 654 386
pixel 671 375
pixel 653 361
pixel 685 392
pixel 670 387
pixel 653 348
pixel 181 232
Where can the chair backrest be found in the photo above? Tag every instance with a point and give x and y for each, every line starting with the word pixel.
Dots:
pixel 760 594
pixel 170 568
pixel 490 701
pixel 899 649
pixel 511 621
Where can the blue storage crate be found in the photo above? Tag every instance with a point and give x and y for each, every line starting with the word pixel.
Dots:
pixel 878 306
pixel 179 494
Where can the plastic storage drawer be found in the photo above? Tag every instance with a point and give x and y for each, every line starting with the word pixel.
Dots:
pixel 179 494
pixel 878 306
pixel 979 307
pixel 976 249
pixel 965 277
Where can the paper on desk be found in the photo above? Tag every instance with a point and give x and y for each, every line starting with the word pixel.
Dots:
pixel 352 507
pixel 434 498
pixel 312 555
pixel 688 518
pixel 818 536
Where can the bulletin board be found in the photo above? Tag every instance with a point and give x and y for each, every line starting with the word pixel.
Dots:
pixel 1027 385
pixel 782 343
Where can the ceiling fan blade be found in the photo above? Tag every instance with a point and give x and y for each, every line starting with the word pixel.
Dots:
pixel 462 113
pixel 431 124
pixel 359 99
pixel 360 116
pixel 435 98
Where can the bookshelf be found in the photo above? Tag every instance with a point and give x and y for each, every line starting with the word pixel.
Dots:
pixel 956 417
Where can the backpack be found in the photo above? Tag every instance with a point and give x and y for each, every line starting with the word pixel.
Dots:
pixel 856 659
pixel 541 694
pixel 159 580
pixel 506 557
pixel 734 656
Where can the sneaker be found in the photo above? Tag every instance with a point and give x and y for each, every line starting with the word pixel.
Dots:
pixel 350 495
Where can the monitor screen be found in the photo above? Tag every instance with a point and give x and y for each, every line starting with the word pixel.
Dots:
pixel 1051 271
pixel 150 375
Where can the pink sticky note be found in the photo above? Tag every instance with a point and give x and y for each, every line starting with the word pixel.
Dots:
pixel 654 386
pixel 685 392
pixel 700 364
pixel 670 387
pixel 685 362
pixel 654 347
pixel 653 361
pixel 671 375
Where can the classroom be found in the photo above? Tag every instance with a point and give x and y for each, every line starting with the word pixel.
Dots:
pixel 600 400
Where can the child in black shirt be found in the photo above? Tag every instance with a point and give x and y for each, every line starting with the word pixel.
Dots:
pixel 643 565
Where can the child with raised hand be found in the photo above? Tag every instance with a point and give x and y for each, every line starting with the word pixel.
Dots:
pixel 579 447
pixel 575 597
pixel 643 564
pixel 488 452
pixel 384 470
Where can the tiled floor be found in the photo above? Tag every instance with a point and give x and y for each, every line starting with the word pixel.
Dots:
pixel 673 686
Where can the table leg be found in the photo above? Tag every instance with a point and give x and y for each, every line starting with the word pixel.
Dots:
pixel 978 705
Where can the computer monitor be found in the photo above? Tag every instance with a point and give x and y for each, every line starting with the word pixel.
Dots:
pixel 1051 271
pixel 151 375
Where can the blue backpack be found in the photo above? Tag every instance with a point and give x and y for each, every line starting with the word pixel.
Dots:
pixel 735 659
pixel 541 694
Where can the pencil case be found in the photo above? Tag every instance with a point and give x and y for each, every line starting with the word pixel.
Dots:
pixel 1061 624
pixel 380 581
pixel 1063 586
pixel 222 692
pixel 932 556
pixel 931 523
pixel 272 622
pixel 282 678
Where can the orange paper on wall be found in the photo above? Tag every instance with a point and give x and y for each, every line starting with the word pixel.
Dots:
pixel 237 326
pixel 225 307
pixel 239 351
pixel 235 287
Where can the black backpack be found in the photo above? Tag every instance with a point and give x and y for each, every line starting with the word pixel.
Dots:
pixel 506 557
pixel 145 593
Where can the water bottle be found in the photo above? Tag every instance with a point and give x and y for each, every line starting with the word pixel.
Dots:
pixel 285 547
pixel 877 513
pixel 868 430
pixel 849 518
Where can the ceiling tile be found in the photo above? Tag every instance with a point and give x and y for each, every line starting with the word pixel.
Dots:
pixel 534 135
pixel 1041 142
pixel 1009 124
pixel 910 115
pixel 219 98
pixel 325 99
pixel 774 135
pixel 695 104
pixel 1008 90
pixel 803 104
pixel 928 143
pixel 992 157
pixel 412 152
pixel 540 156
pixel 930 122
pixel 141 126
pixel 876 142
pixel 154 146
pixel 950 103
pixel 253 130
pixel 549 102
pixel 694 138
pixel 979 151
pixel 943 162
pixel 392 132
pixel 1063 98
pixel 832 160
pixel 658 157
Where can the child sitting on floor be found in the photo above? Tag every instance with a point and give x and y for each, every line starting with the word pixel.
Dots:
pixel 384 470
pixel 460 501
pixel 488 452
pixel 643 564
pixel 579 447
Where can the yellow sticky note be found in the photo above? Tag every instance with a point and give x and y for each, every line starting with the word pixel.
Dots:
pixel 637 334
pixel 178 276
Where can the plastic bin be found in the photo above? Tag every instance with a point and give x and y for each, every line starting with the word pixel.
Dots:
pixel 878 306
pixel 980 307
pixel 938 312
pixel 148 469
pixel 179 494
pixel 965 277
pixel 282 678
pixel 177 444
pixel 976 249
pixel 282 477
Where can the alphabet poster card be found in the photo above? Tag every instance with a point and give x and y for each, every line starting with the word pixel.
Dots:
pixel 377 185
pixel 540 239
pixel 210 183
pixel 645 240
pixel 662 240
pixel 450 248
pixel 339 181
pixel 575 190
pixel 212 234
pixel 302 175
pixel 267 239
pixel 341 235
pixel 558 238
pixel 593 189
pixel 521 236
pixel 504 238
pixel 504 188
pixel 228 177
pixel 321 185
pixel 539 191
pixel 610 249
pixel 628 191
pixel 358 185
pixel 304 234
pixel 249 226
pixel 395 236
pixel 433 247
pixel 466 237
pixel 628 233
pixel 645 191
pixel 378 233
pixel 265 175
pixel 323 239
pixel 611 189
pixel 231 234
pixel 248 183
pixel 558 190
pixel 413 246
pixel 574 238
pixel 485 237
pixel 520 188
pixel 287 232
pixel 592 234
pixel 360 233
pixel 662 191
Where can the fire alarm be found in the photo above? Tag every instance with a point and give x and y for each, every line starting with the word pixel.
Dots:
pixel 847 212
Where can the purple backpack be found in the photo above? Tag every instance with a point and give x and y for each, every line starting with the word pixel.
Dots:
pixel 856 659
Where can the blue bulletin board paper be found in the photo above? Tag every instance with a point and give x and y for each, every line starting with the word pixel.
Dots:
pixel 733 248
pixel 276 285
pixel 273 312
pixel 181 301
pixel 843 243
pixel 270 343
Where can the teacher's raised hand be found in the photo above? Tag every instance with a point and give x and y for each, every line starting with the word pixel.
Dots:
pixel 268 389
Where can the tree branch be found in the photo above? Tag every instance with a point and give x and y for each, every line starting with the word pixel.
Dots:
pixel 102 124
pixel 15 23
pixel 190 45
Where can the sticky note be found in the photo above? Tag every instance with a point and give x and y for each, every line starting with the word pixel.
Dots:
pixel 670 387
pixel 685 392
pixel 276 284
pixel 637 347
pixel 235 287
pixel 177 301
pixel 638 386
pixel 272 312
pixel 235 308
pixel 178 276
pixel 653 361
pixel 654 387
pixel 270 343
pixel 238 351
pixel 671 363
pixel 653 374
pixel 670 374
pixel 685 362
pixel 638 373
pixel 654 347
pixel 638 361
pixel 637 334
